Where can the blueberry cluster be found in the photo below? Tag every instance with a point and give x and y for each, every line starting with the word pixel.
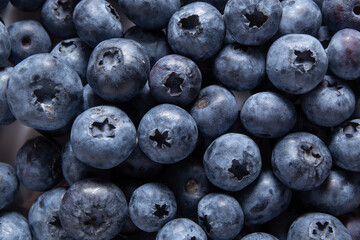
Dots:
pixel 209 119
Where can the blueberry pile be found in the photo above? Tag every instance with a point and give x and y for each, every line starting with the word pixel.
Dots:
pixel 209 119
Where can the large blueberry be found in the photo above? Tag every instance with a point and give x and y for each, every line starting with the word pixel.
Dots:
pixel 252 22
pixel 317 226
pixel 215 110
pixel 103 137
pixel 93 210
pixel 167 134
pixel 38 164
pixel 232 161
pixel 5 44
pixel 259 236
pixel 197 31
pixel 330 103
pixel 181 228
pixel 220 216
pixel 6 117
pixel 44 216
pixel 9 184
pixel 175 79
pixel 50 95
pixel 264 199
pixel 149 14
pixel 14 226
pixel 301 161
pixel 118 69
pixel 151 206
pixel 96 20
pixel 27 5
pixel 27 38
pixel 268 115
pixel 296 63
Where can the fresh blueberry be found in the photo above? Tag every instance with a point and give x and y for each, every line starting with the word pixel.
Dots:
pixel 93 210
pixel 38 164
pixel 344 54
pixel 240 67
pixel 175 79
pixel 50 95
pixel 264 199
pixel 118 69
pixel 75 53
pixel 220 216
pixel 259 236
pixel 219 4
pixel 301 161
pixel 167 134
pixel 339 14
pixel 27 5
pixel 252 22
pixel 197 31
pixel 9 185
pixel 74 170
pixel 339 194
pixel 14 226
pixel 3 4
pixel 344 145
pixel 330 103
pixel 232 161
pixel 6 117
pixel 151 206
pixel 215 110
pixel 95 21
pixel 44 216
pixel 56 15
pixel 300 16
pixel 149 14
pixel 5 44
pixel 180 229
pixel 103 137
pixel 317 226
pixel 27 38
pixel 296 63
pixel 154 42
pixel 268 115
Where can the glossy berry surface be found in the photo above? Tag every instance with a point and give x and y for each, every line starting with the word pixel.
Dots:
pixel 14 226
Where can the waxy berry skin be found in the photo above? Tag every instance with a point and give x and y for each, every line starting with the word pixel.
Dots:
pixel 14 226
pixel 5 44
pixel 9 184
pixel 181 228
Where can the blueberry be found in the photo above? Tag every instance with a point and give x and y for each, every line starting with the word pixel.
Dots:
pixel 220 216
pixel 154 42
pixel 3 4
pixel 324 36
pixel 301 161
pixel 93 210
pixel 232 161
pixel 151 206
pixel 215 110
pixel 181 228
pixel 14 226
pixel 264 199
pixel 175 79
pixel 296 63
pixel 75 53
pixel 95 21
pixel 50 96
pixel 252 22
pixel 27 38
pixel 196 31
pixel 44 216
pixel 91 99
pixel 339 194
pixel 5 44
pixel 6 117
pixel 259 236
pixel 167 134
pixel 27 5
pixel 56 16
pixel 268 115
pixel 38 164
pixel 118 69
pixel 219 4
pixel 103 137
pixel 149 14
pixel 240 67
pixel 317 226
pixel 9 184
pixel 343 145
pixel 343 53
